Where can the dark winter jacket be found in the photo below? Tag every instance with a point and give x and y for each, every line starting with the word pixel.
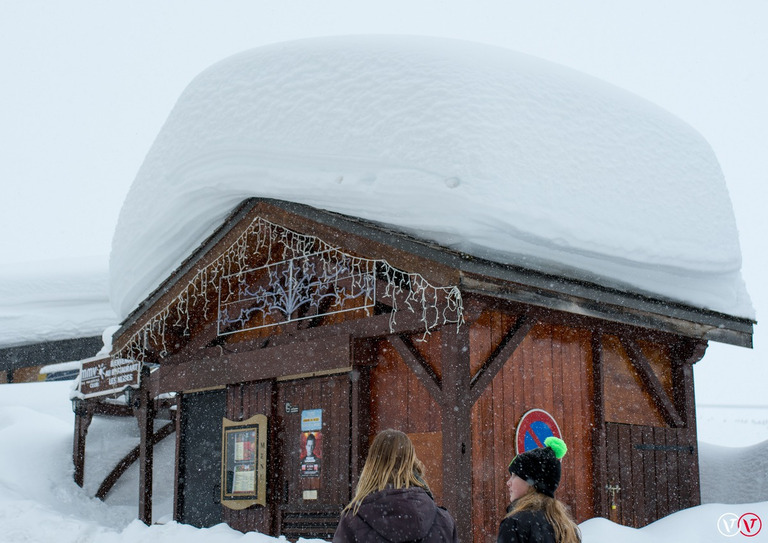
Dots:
pixel 397 516
pixel 526 527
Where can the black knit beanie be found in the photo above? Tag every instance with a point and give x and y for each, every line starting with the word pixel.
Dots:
pixel 540 467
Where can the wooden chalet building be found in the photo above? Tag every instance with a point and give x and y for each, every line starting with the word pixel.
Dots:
pixel 291 321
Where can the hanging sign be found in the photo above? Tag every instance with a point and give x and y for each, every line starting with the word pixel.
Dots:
pixel 311 442
pixel 534 427
pixel 108 376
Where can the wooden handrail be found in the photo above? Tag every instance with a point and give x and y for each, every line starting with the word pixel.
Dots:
pixel 130 458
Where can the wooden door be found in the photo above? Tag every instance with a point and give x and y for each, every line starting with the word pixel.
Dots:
pixel 315 478
pixel 650 472
pixel 199 484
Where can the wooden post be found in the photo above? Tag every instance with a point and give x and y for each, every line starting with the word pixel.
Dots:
pixel 83 418
pixel 600 505
pixel 178 500
pixel 685 356
pixel 360 415
pixel 456 409
pixel 145 413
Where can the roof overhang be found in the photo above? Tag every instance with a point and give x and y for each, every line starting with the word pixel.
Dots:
pixel 48 352
pixel 509 282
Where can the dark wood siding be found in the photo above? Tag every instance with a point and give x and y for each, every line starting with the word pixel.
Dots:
pixel 549 370
pixel 400 401
pixel 244 401
pixel 627 400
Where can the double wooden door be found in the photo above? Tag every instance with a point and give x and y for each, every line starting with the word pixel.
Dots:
pixel 313 454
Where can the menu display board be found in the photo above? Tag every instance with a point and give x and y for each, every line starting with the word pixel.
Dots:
pixel 244 462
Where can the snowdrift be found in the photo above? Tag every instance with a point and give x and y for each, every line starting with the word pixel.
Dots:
pixel 40 502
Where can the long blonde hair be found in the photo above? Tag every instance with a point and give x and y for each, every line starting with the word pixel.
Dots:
pixel 566 530
pixel 391 461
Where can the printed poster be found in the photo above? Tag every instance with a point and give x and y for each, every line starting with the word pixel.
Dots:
pixel 311 442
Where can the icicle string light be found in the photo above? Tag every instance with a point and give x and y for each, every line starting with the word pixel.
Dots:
pixel 302 271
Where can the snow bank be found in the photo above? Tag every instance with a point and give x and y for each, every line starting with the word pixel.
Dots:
pixel 52 300
pixel 39 502
pixel 694 525
pixel 483 150
pixel 732 425
pixel 733 475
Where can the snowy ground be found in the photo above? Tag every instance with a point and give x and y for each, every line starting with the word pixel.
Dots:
pixel 40 503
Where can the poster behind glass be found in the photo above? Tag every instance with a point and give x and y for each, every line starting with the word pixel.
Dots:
pixel 244 462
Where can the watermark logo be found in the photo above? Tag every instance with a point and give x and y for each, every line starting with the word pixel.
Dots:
pixel 728 524
pixel 750 524
pixel 731 524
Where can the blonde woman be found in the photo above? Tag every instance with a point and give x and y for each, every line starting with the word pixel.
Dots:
pixel 392 502
pixel 535 514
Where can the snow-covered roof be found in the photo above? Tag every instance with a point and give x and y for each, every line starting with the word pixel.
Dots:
pixel 483 150
pixel 54 300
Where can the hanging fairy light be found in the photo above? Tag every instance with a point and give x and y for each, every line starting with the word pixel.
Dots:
pixel 300 271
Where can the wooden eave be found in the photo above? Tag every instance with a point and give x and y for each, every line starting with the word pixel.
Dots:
pixel 473 275
pixel 48 352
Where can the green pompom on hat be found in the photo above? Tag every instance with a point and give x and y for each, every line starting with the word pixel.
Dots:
pixel 540 467
pixel 557 445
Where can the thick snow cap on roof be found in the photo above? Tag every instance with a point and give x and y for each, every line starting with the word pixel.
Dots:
pixel 483 150
pixel 54 300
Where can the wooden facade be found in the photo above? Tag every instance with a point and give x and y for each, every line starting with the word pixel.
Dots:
pixel 22 363
pixel 613 368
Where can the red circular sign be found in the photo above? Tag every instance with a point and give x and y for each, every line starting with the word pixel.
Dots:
pixel 535 426
pixel 750 524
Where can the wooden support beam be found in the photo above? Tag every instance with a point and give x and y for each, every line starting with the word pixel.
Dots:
pixel 499 356
pixel 145 413
pixel 178 499
pixel 373 326
pixel 456 409
pixel 216 367
pixel 420 368
pixel 652 383
pixel 83 418
pixel 684 356
pixel 360 410
pixel 599 439
pixel 109 409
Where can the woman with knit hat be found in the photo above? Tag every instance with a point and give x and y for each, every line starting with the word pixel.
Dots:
pixel 535 515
